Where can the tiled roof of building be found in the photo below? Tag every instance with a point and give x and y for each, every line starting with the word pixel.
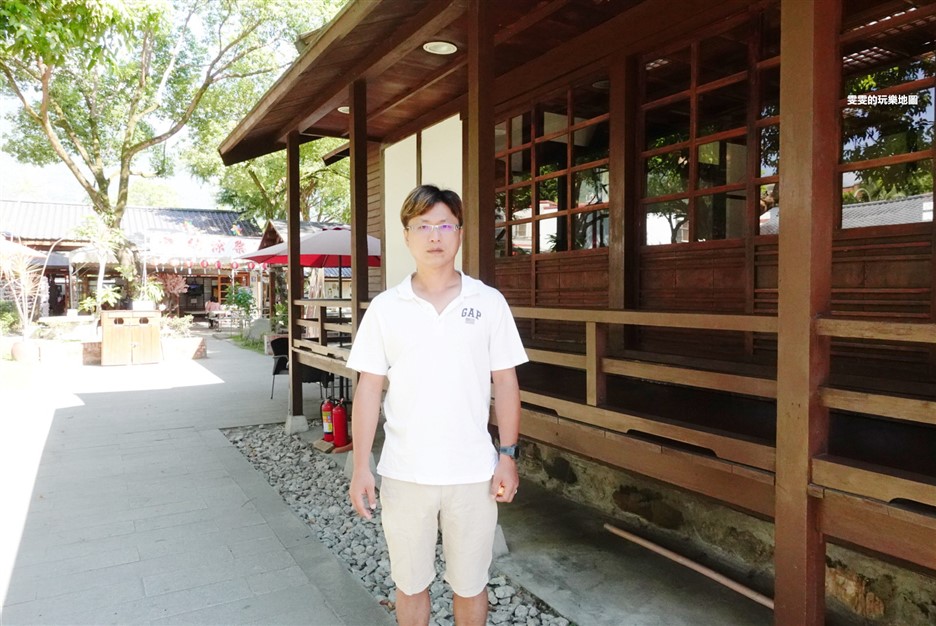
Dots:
pixel 46 221
pixel 907 210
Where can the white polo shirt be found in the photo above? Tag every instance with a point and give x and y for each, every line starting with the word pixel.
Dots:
pixel 439 369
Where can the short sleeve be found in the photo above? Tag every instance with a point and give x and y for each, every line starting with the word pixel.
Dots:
pixel 368 354
pixel 506 348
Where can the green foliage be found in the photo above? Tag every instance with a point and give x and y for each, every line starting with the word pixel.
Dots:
pixel 247 343
pixel 9 318
pixel 103 83
pixel 109 295
pixel 241 298
pixel 280 316
pixel 176 326
pixel 152 291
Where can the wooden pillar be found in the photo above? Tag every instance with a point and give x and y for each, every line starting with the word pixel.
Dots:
pixel 478 251
pixel 295 420
pixel 357 96
pixel 809 137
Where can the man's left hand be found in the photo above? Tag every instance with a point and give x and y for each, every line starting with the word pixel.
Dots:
pixel 505 481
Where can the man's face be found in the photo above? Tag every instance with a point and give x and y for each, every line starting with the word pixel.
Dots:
pixel 434 248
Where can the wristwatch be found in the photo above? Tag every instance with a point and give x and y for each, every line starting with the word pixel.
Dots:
pixel 511 451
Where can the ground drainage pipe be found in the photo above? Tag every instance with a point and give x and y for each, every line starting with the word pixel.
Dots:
pixel 745 591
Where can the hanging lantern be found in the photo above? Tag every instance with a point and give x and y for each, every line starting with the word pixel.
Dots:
pixel 218 264
pixel 204 263
pixel 188 265
pixel 251 265
pixel 234 265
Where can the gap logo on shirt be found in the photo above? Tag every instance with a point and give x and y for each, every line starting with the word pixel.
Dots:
pixel 470 315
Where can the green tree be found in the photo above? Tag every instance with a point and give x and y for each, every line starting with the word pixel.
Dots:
pixel 103 85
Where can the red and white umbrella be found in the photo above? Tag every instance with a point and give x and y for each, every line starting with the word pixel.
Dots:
pixel 325 248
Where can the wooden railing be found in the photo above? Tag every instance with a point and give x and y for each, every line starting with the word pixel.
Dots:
pixel 739 471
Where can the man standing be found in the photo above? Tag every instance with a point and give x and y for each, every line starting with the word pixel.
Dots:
pixel 440 338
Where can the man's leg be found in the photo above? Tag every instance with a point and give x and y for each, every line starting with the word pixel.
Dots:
pixel 470 611
pixel 414 610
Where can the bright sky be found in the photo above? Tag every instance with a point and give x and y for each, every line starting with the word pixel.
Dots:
pixel 55 183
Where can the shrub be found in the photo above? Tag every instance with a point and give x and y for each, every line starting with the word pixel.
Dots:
pixel 9 318
pixel 176 326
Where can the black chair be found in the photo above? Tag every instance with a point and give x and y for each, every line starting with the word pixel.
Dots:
pixel 280 349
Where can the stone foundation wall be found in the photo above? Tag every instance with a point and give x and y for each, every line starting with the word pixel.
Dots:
pixel 859 588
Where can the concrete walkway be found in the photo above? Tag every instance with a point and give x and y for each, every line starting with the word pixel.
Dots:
pixel 123 502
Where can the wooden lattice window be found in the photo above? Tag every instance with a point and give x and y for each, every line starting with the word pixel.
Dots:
pixel 887 113
pixel 708 132
pixel 551 173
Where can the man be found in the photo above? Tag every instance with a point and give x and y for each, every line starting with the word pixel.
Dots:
pixel 440 338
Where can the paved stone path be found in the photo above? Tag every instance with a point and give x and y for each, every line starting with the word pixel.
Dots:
pixel 123 503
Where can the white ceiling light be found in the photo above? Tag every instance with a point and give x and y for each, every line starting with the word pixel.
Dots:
pixel 440 47
pixel 345 110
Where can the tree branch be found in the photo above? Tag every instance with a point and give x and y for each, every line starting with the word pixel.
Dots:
pixel 263 192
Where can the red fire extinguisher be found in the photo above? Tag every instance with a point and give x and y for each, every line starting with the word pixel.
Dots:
pixel 340 423
pixel 327 410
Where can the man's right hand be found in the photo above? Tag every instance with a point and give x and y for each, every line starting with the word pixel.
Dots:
pixel 363 494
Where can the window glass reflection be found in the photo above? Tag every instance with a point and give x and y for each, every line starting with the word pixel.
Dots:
pixel 552 195
pixel 722 162
pixel 551 156
pixel 520 166
pixel 666 125
pixel 875 131
pixel 521 238
pixel 720 216
pixel 590 230
pixel 591 143
pixel 500 241
pixel 722 109
pixel 667 74
pixel 552 115
pixel 769 211
pixel 500 137
pixel 521 203
pixel 723 55
pixel 770 92
pixel 552 234
pixel 664 222
pixel 769 150
pixel 590 99
pixel 666 174
pixel 520 130
pixel 892 194
pixel 590 186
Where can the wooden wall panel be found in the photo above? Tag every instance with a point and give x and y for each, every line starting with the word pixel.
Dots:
pixel 693 278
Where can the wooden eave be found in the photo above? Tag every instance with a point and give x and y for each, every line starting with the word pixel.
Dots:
pixel 381 42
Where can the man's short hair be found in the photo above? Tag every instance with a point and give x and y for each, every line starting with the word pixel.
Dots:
pixel 421 200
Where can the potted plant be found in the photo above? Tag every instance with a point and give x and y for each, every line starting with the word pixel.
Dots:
pixel 148 295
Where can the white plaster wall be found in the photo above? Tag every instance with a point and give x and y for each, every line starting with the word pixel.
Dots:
pixel 399 179
pixel 442 158
pixel 441 166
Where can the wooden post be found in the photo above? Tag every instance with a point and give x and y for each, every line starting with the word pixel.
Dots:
pixel 295 420
pixel 478 252
pixel 596 342
pixel 809 138
pixel 357 96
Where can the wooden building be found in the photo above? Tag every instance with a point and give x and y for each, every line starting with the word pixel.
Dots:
pixel 622 163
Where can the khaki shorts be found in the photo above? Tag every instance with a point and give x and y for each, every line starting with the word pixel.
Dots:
pixel 411 515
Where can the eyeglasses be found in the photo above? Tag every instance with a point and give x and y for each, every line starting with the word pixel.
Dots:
pixel 426 229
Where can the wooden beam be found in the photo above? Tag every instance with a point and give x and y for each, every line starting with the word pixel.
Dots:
pixel 873 481
pixel 294 270
pixel 885 331
pixel 357 95
pixel 809 142
pixel 564 359
pixel 478 251
pixel 734 449
pixel 905 409
pixel 727 482
pixel 884 528
pixel 436 15
pixel 732 383
pixel 707 321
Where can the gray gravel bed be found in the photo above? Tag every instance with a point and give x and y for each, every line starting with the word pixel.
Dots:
pixel 317 490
